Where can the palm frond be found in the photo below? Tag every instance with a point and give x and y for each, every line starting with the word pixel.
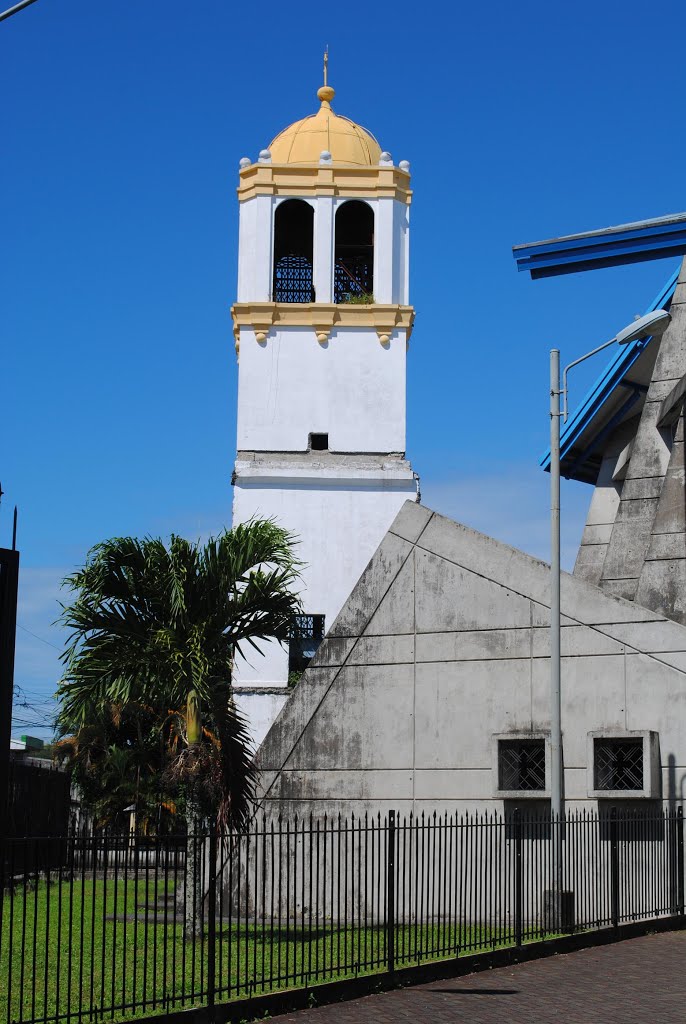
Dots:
pixel 148 622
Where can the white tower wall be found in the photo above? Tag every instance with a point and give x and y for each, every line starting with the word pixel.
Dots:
pixel 256 242
pixel 351 387
pixel 320 368
pixel 340 519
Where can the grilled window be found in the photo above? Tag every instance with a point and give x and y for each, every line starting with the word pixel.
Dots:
pixel 618 764
pixel 521 765
pixel 354 253
pixel 307 632
pixel 293 252
pixel 293 279
pixel 353 279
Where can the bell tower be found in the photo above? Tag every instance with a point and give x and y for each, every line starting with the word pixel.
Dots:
pixel 321 322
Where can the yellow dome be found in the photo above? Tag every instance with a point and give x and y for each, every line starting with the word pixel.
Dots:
pixel 304 141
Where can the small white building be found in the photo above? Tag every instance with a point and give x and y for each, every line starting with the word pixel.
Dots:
pixel 322 322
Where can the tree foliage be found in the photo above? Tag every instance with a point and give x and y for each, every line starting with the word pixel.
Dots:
pixel 151 622
pixel 119 757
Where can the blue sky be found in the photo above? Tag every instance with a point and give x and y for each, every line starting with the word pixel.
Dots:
pixel 123 123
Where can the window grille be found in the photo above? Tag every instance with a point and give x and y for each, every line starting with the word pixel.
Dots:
pixel 353 276
pixel 618 764
pixel 307 632
pixel 293 279
pixel 521 765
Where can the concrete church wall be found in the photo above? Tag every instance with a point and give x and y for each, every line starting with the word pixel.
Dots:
pixel 443 646
pixel 634 544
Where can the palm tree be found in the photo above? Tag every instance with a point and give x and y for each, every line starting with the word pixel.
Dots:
pixel 153 623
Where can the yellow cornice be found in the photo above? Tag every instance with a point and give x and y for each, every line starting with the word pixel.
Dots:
pixel 318 179
pixel 322 317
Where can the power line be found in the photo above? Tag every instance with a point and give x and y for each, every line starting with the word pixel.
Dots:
pixel 35 635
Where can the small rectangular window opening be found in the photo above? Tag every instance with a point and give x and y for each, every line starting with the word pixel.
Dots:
pixel 618 764
pixel 521 765
pixel 319 442
pixel 307 632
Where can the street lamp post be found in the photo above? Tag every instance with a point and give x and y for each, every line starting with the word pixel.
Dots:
pixel 16 8
pixel 652 324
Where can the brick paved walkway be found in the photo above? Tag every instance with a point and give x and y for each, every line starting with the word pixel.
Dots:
pixel 638 981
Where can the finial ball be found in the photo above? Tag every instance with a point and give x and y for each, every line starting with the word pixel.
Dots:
pixel 326 93
pixel 244 162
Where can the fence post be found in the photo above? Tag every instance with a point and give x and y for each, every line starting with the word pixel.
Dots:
pixel 614 869
pixel 519 876
pixel 680 861
pixel 212 915
pixel 390 894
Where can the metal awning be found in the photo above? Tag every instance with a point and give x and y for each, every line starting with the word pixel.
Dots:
pixel 658 238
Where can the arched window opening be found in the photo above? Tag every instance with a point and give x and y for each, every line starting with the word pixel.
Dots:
pixel 354 254
pixel 293 248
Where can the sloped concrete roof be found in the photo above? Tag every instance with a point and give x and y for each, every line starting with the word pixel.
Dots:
pixel 447 625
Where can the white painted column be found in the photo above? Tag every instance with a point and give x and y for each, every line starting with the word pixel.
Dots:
pixel 383 250
pixel 403 229
pixel 323 248
pixel 246 235
pixel 258 253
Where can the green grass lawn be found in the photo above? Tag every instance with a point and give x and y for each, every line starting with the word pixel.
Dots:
pixel 79 947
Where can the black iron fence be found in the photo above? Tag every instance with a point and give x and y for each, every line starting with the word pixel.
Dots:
pixel 128 925
pixel 39 801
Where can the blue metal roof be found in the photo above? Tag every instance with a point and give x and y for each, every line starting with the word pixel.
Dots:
pixel 642 240
pixel 611 378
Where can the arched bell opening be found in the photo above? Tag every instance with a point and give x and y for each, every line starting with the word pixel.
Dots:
pixel 293 252
pixel 354 253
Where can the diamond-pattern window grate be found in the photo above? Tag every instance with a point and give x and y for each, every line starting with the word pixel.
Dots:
pixel 618 764
pixel 293 279
pixel 353 277
pixel 521 765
